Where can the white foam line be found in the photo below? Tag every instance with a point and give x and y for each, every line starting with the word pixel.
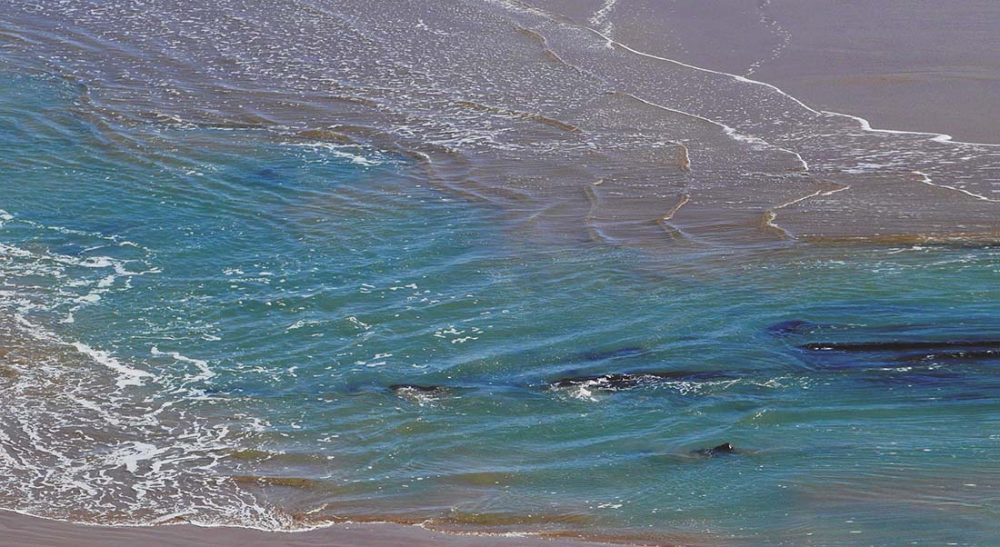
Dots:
pixel 865 124
pixel 127 376
pixel 728 130
pixel 812 195
pixel 936 137
pixel 131 454
pixel 337 150
pixel 924 178
pixel 205 372
pixel 736 77
pixel 94 407
pixel 731 132
pixel 770 215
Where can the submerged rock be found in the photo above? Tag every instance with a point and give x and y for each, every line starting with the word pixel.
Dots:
pixel 326 135
pixel 900 354
pixel 268 174
pixel 620 381
pixel 902 346
pixel 720 450
pixel 970 355
pixel 417 388
pixel 249 454
pixel 285 482
pixel 420 394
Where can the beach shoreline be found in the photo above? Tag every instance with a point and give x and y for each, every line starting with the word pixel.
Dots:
pixel 26 530
pixel 324 276
pixel 890 62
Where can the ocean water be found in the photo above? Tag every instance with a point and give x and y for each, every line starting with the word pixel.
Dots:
pixel 259 323
pixel 249 300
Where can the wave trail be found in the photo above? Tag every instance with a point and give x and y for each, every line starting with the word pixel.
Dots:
pixel 769 216
pixel 926 179
pixel 729 131
pixel 600 17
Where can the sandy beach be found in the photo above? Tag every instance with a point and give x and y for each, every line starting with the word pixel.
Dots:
pixel 901 64
pixel 26 531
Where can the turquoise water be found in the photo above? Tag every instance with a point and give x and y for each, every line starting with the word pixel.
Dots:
pixel 250 298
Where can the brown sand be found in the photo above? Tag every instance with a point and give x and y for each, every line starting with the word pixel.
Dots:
pixel 915 65
pixel 25 531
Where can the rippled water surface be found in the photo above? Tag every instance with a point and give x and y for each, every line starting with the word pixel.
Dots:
pixel 271 325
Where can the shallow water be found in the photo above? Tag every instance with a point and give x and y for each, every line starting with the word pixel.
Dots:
pixel 576 135
pixel 203 321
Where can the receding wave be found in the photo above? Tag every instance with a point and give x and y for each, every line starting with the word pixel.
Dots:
pixel 436 84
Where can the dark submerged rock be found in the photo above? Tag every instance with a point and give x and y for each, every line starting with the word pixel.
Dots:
pixel 268 174
pixel 354 388
pixel 396 388
pixel 284 482
pixel 249 454
pixel 903 360
pixel 621 381
pixel 720 450
pixel 902 346
pixel 970 355
pixel 420 394
pixel 326 135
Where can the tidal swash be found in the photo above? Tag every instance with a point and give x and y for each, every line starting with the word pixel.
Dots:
pixel 479 266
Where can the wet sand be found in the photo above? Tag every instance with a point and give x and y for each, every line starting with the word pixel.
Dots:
pixel 621 122
pixel 901 64
pixel 913 65
pixel 26 531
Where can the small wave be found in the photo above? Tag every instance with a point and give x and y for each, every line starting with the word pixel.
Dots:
pixel 205 372
pixel 340 151
pixel 924 178
pixel 127 376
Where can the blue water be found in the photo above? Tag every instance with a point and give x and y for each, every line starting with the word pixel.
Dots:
pixel 268 291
